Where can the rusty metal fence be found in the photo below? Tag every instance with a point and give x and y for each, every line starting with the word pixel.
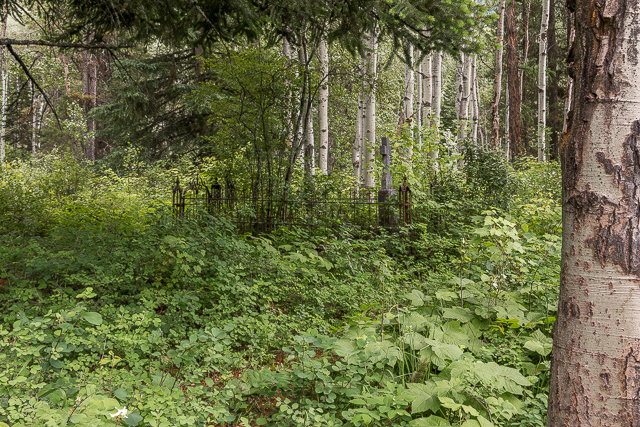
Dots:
pixel 352 208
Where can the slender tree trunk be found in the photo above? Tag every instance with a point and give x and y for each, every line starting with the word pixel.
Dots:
pixel 418 113
pixel 474 100
pixel 497 85
pixel 356 150
pixel 595 366
pixel 370 106
pixel 459 91
pixel 93 100
pixel 542 82
pixel 323 107
pixel 465 97
pixel 554 120
pixel 427 87
pixel 515 134
pixel 507 119
pixel 409 89
pixel 309 142
pixel 286 52
pixel 436 104
pixel 34 117
pixel 3 118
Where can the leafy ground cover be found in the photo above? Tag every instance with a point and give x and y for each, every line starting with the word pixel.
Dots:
pixel 110 302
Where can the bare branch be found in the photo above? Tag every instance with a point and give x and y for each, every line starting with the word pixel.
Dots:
pixel 26 70
pixel 6 42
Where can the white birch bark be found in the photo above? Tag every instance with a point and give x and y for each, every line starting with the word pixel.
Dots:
pixel 595 362
pixel 286 52
pixel 34 116
pixel 427 87
pixel 419 108
pixel 437 89
pixel 409 89
pixel 465 94
pixel 459 89
pixel 497 85
pixel 567 104
pixel 475 107
pixel 370 110
pixel 323 107
pixel 542 81
pixel 3 124
pixel 356 150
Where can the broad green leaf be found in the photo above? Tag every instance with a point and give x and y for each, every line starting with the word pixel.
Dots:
pixel 457 313
pixel 133 418
pixel 92 317
pixel 431 421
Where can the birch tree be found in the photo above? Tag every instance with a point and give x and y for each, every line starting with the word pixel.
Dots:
pixel 542 80
pixel 323 106
pixel 437 89
pixel 497 85
pixel 5 77
pixel 595 367
pixel 427 87
pixel 515 133
pixel 370 110
pixel 409 89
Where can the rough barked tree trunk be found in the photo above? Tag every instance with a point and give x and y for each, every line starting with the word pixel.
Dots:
pixel 323 107
pixel 409 89
pixel 497 84
pixel 595 368
pixel 542 81
pixel 369 139
pixel 515 134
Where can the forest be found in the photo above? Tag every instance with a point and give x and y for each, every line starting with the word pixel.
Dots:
pixel 319 213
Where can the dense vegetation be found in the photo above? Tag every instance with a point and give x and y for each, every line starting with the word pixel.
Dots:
pixel 110 301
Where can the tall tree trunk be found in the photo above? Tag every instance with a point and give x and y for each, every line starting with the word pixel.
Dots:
pixel 465 96
pixel 4 74
pixel 323 107
pixel 34 117
pixel 459 91
pixel 515 133
pixel 286 52
pixel 370 108
pixel 93 101
pixel 427 87
pixel 524 128
pixel 409 89
pixel 554 120
pixel 356 150
pixel 497 85
pixel 475 107
pixel 436 104
pixel 507 119
pixel 595 366
pixel 542 81
pixel 309 142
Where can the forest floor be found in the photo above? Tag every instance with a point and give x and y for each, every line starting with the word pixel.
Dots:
pixel 111 301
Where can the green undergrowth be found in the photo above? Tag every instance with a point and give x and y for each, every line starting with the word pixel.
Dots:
pixel 110 302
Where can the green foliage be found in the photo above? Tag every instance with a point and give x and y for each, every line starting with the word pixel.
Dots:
pixel 111 302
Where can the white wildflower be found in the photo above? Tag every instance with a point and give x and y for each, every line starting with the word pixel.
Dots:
pixel 121 412
pixel 495 285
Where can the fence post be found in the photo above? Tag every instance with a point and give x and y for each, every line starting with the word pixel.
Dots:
pixel 386 216
pixel 405 202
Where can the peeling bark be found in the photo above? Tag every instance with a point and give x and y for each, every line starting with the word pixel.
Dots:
pixel 595 375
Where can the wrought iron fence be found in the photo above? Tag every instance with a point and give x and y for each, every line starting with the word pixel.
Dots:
pixel 353 208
